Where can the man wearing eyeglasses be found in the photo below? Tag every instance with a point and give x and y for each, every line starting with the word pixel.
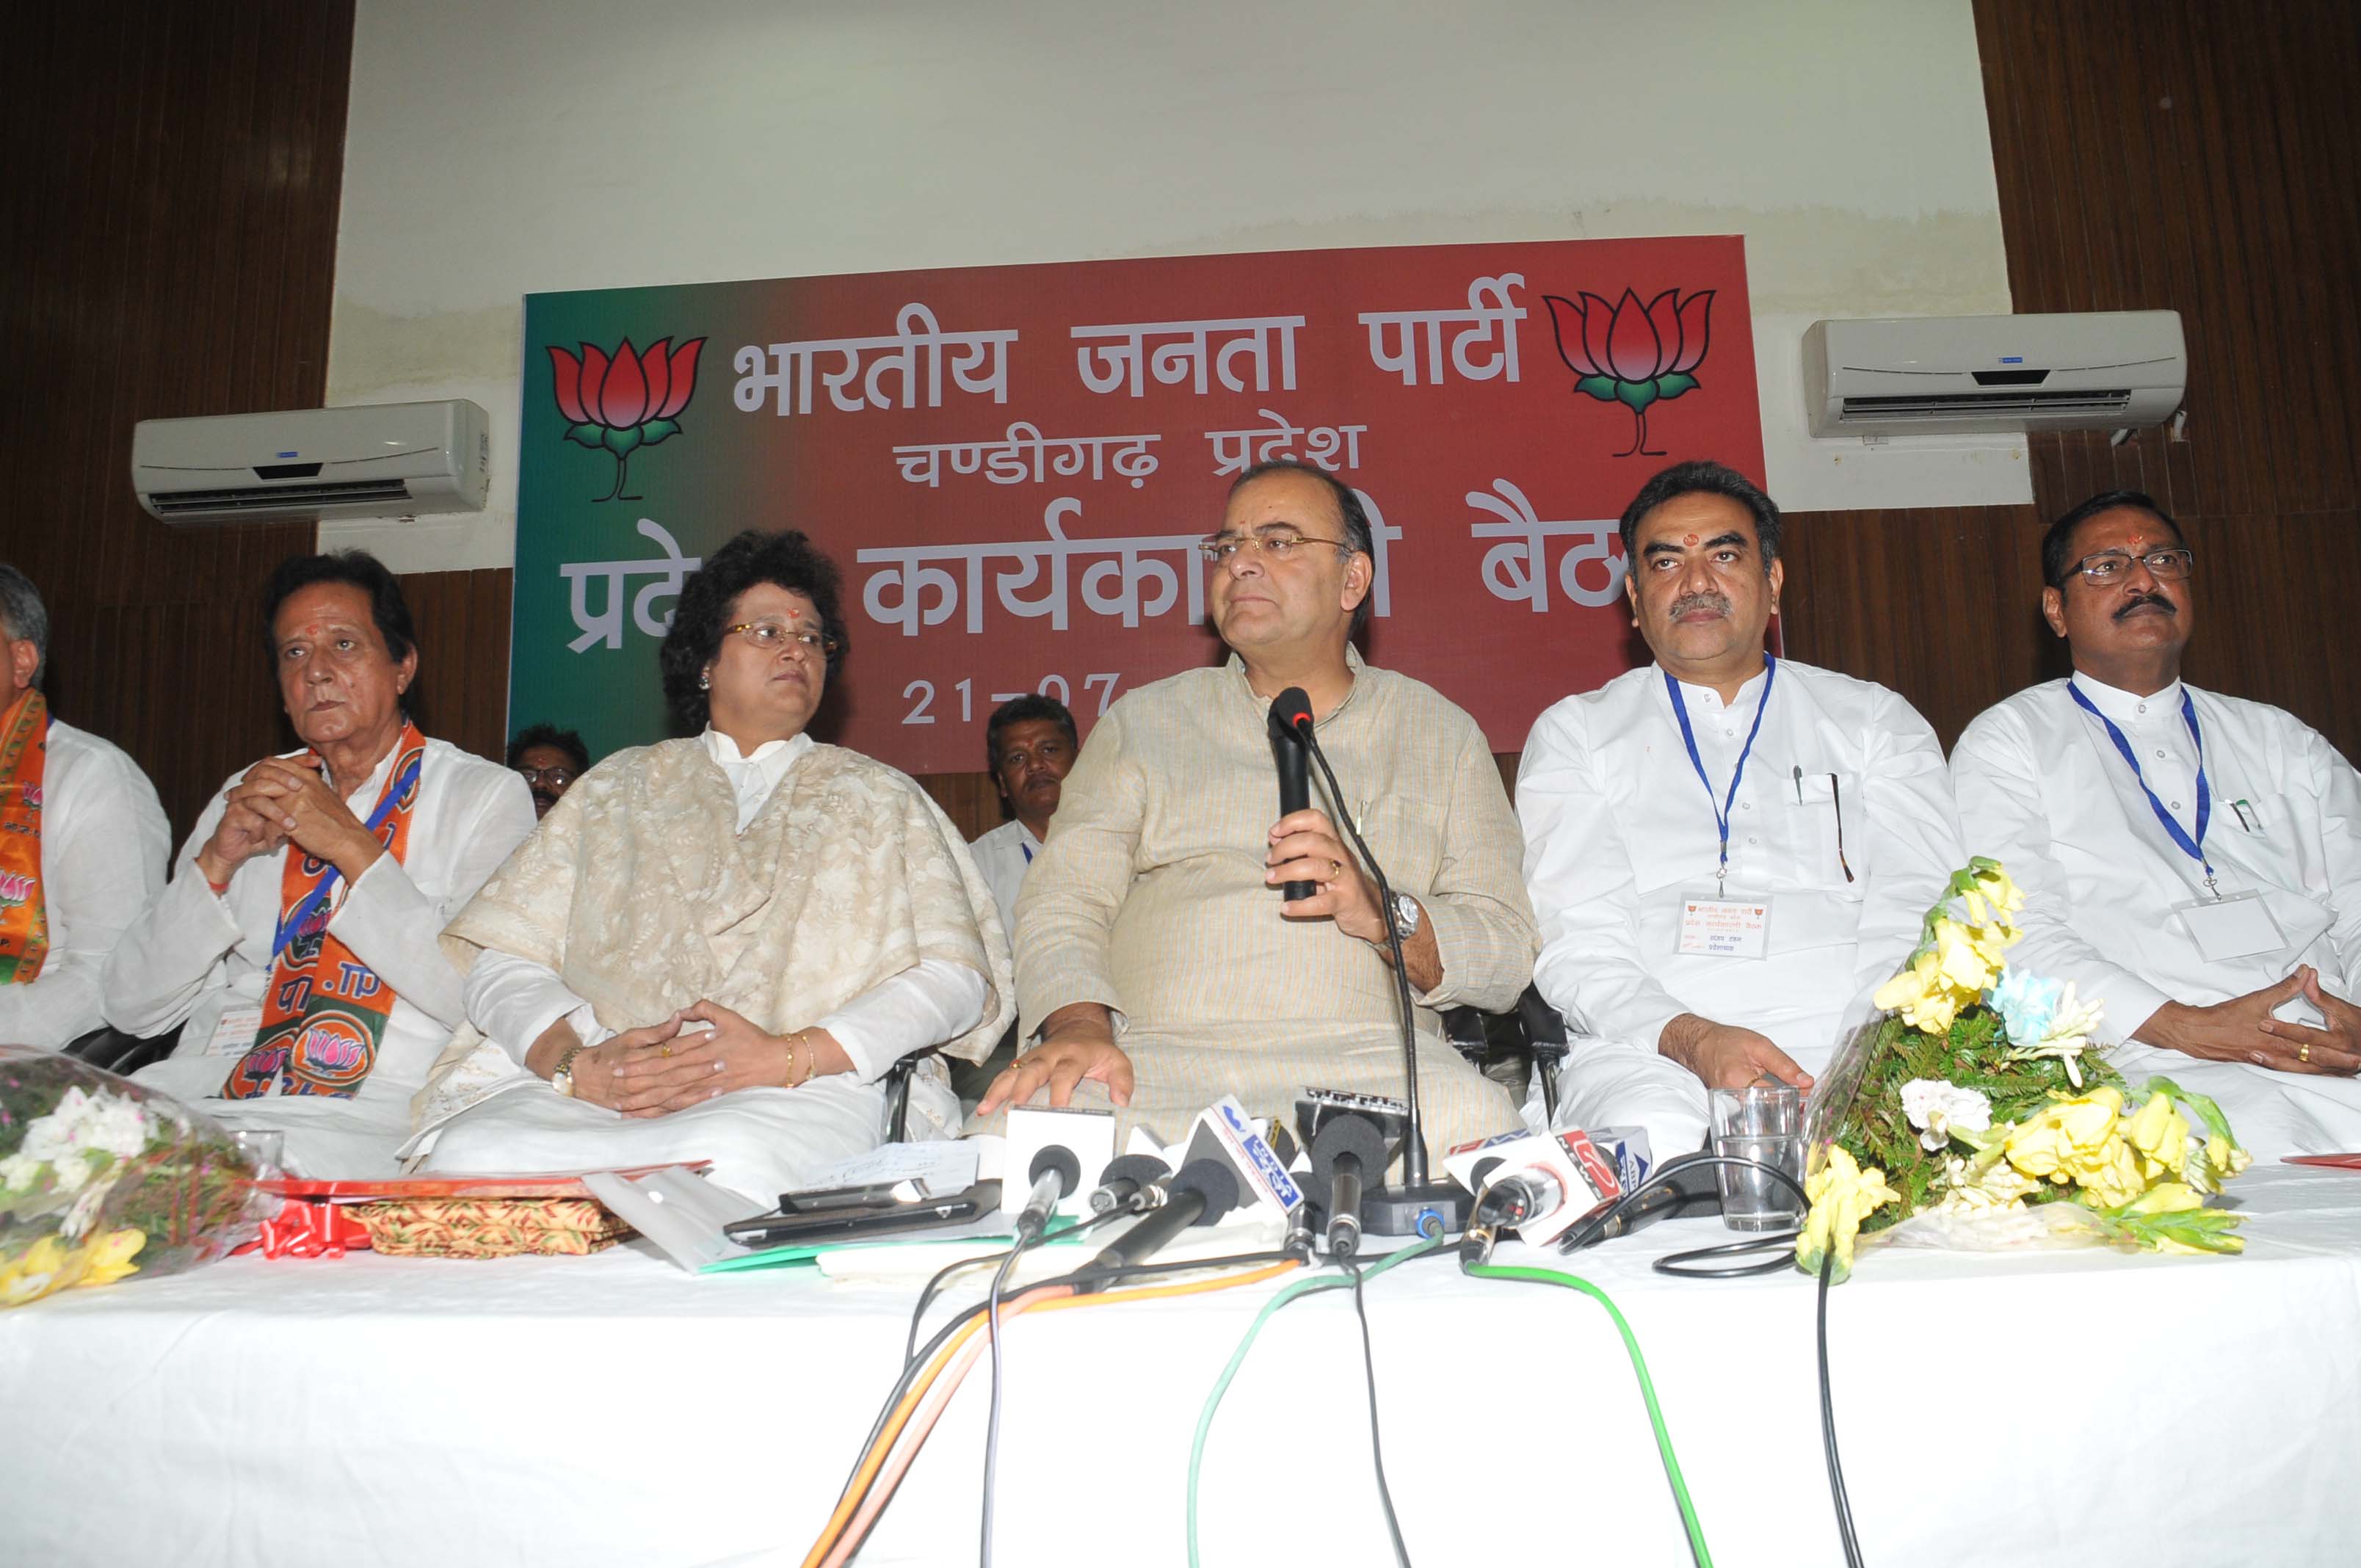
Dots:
pixel 2191 861
pixel 1728 851
pixel 550 760
pixel 1158 968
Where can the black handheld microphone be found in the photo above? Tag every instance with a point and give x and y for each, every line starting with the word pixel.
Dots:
pixel 1406 1209
pixel 1347 1151
pixel 1055 1173
pixel 1130 1181
pixel 1287 753
pixel 1204 1192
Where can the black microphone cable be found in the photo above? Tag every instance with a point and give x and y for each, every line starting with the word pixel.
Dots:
pixel 1369 1366
pixel 1414 1170
pixel 1684 1266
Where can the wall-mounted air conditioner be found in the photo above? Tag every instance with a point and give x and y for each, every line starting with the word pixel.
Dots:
pixel 1938 374
pixel 386 460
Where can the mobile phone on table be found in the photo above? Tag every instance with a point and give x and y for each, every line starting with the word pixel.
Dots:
pixel 852 1224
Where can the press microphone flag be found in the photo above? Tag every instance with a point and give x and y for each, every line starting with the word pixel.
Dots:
pixel 1290 710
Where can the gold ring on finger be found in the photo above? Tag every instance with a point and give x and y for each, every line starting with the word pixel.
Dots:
pixel 2304 1053
pixel 663 1050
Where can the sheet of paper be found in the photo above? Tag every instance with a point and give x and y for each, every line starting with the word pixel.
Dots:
pixel 946 1166
pixel 680 1212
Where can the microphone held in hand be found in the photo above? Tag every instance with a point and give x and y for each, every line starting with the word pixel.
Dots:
pixel 1290 716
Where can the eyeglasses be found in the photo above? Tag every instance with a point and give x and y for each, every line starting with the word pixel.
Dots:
pixel 771 636
pixel 1278 544
pixel 555 778
pixel 2109 565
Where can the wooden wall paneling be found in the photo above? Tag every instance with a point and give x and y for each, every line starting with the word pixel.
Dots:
pixel 2183 155
pixel 170 252
pixel 462 620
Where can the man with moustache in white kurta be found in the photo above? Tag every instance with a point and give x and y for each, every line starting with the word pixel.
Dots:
pixel 2190 860
pixel 1725 850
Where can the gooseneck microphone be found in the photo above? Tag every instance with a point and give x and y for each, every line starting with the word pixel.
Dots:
pixel 1347 1152
pixel 1403 1210
pixel 1055 1173
pixel 1204 1192
pixel 1131 1181
pixel 1287 753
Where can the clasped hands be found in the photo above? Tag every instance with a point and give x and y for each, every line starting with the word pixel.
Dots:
pixel 2243 1029
pixel 280 801
pixel 701 1052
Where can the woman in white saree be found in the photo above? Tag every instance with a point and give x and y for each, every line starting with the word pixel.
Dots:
pixel 714 948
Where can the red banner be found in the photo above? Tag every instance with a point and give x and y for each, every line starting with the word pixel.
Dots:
pixel 1012 463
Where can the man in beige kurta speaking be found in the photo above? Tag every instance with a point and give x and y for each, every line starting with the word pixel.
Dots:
pixel 1157 967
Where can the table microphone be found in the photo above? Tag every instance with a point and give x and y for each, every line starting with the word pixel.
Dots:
pixel 1287 750
pixel 1407 1208
pixel 1055 1173
pixel 1200 1194
pixel 1348 1150
pixel 1134 1181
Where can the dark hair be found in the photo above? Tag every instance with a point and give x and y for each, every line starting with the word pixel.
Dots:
pixel 787 560
pixel 1349 509
pixel 354 568
pixel 23 616
pixel 1023 710
pixel 2058 544
pixel 1705 478
pixel 566 740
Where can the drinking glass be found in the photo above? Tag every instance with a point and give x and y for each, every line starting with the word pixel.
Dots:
pixel 1763 1122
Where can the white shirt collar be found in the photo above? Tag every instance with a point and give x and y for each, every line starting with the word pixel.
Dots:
pixel 2129 707
pixel 753 778
pixel 1748 695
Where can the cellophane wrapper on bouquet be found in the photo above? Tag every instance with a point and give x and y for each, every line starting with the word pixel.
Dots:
pixel 102 1179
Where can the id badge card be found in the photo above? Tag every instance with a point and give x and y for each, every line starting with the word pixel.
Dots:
pixel 2235 926
pixel 1725 924
pixel 234 1034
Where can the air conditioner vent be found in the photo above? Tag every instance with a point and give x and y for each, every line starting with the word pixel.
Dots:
pixel 280 498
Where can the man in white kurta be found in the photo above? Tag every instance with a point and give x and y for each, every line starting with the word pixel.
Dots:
pixel 1674 970
pixel 104 842
pixel 200 959
pixel 2233 969
pixel 1031 743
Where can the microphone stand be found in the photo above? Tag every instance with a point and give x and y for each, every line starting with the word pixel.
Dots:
pixel 1399 1209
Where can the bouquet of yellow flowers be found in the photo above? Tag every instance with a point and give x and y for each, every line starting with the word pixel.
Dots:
pixel 100 1179
pixel 1976 1093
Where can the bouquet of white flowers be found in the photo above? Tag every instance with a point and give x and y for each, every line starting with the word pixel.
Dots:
pixel 100 1179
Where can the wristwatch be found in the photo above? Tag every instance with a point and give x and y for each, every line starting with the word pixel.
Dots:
pixel 1407 915
pixel 561 1078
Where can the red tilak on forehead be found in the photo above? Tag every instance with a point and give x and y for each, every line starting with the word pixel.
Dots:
pixel 1690 540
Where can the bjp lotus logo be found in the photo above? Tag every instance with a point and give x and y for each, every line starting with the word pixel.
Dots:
pixel 1633 354
pixel 622 402
pixel 15 888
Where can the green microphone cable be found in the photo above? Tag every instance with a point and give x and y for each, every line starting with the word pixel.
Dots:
pixel 1639 1367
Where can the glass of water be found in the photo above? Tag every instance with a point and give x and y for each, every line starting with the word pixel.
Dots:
pixel 1763 1122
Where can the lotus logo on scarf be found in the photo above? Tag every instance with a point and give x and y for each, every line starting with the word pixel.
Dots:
pixel 620 403
pixel 15 888
pixel 1633 354
pixel 330 1049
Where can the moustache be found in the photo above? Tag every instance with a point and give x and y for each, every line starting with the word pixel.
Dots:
pixel 2158 600
pixel 1719 603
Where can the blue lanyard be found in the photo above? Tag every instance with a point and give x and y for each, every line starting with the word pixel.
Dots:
pixel 1688 738
pixel 1028 848
pixel 2193 847
pixel 310 905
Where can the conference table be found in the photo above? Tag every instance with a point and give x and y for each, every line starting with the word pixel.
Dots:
pixel 2057 1408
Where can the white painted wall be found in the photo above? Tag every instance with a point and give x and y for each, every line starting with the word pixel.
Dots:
pixel 499 147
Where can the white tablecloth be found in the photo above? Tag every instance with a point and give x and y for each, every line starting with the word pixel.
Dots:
pixel 2067 1408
